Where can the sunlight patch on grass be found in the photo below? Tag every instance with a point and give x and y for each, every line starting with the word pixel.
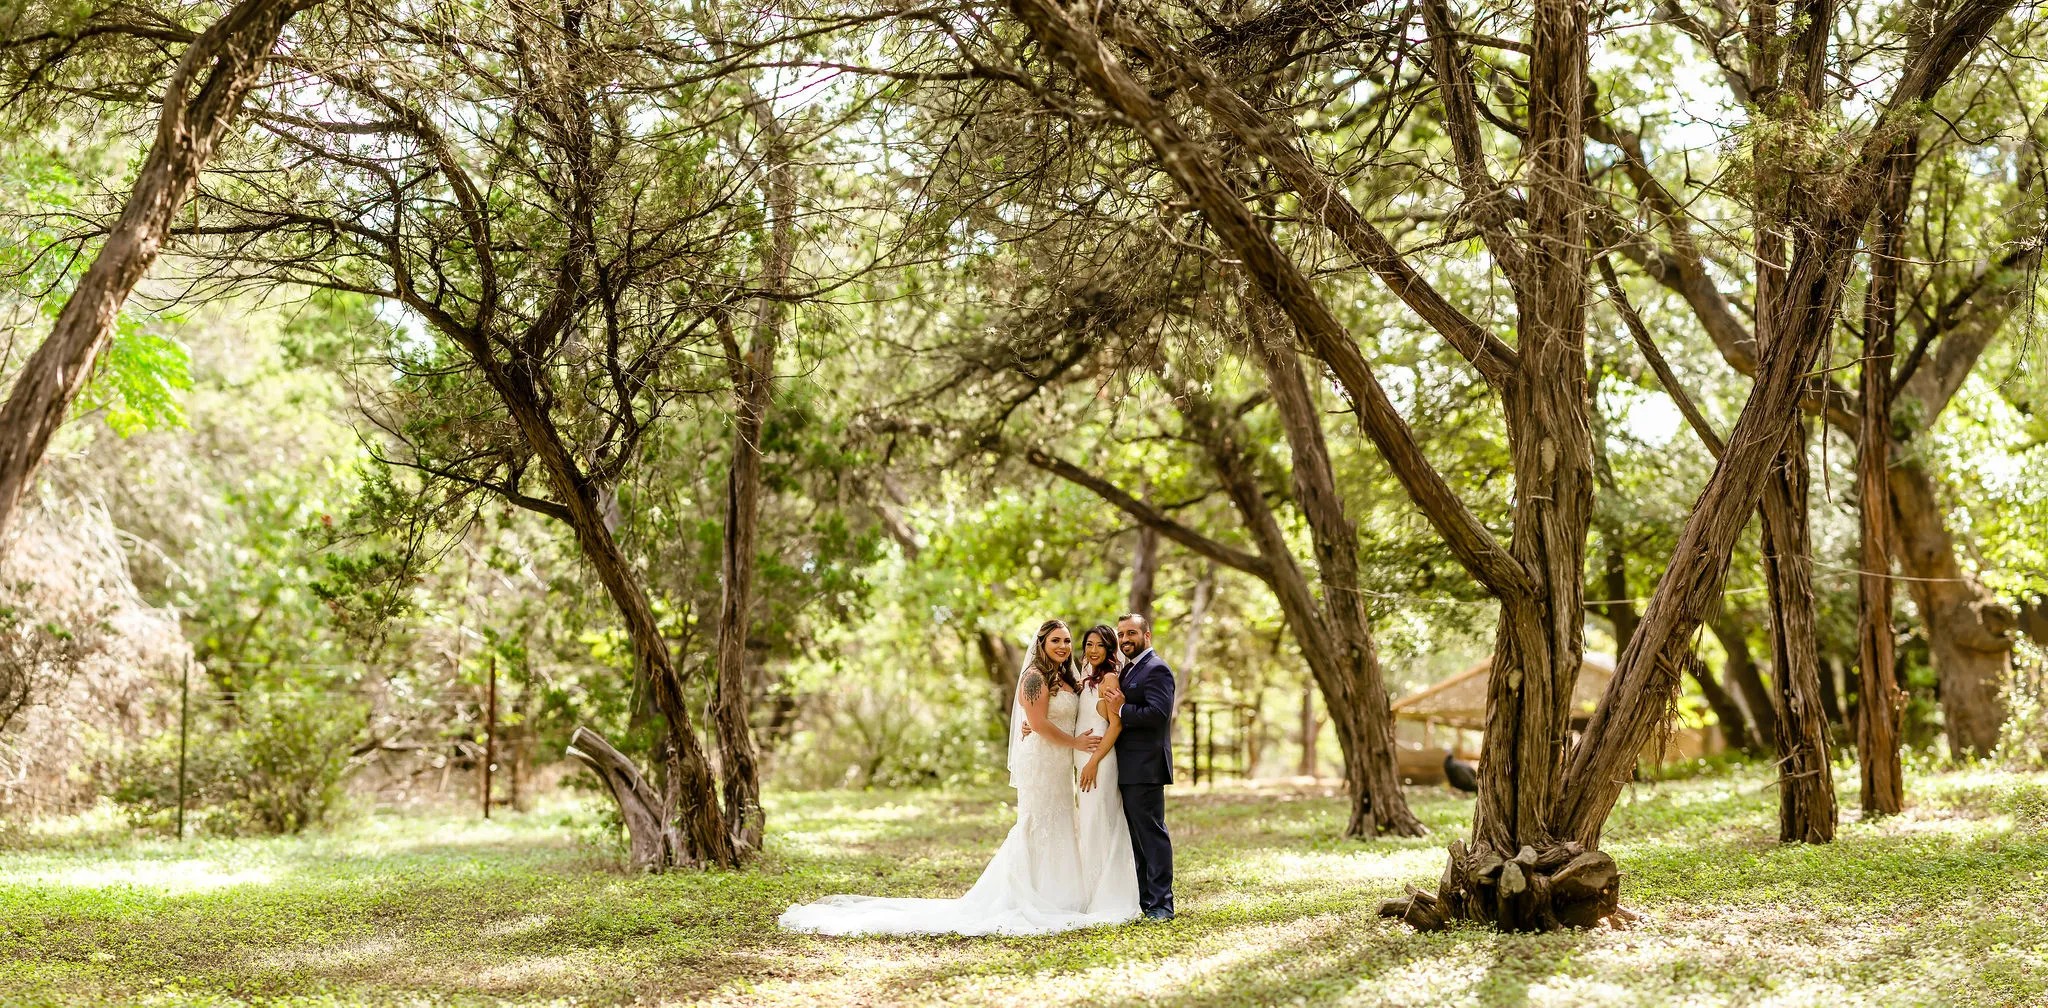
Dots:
pixel 527 924
pixel 185 875
pixel 348 956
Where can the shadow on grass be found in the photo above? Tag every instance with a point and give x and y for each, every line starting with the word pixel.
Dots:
pixel 1271 912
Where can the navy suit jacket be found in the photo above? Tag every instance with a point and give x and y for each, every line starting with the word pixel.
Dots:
pixel 1144 749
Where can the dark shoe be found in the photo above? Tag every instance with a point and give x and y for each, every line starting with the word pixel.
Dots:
pixel 1159 915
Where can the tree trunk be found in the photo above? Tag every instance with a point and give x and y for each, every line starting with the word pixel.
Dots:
pixel 1878 724
pixel 1334 639
pixel 1734 727
pixel 753 379
pixel 200 100
pixel 1366 713
pixel 1311 728
pixel 651 839
pixel 1539 645
pixel 1806 791
pixel 1744 676
pixel 1003 660
pixel 1144 566
pixel 2032 620
pixel 1191 641
pixel 1969 630
pixel 1539 578
pixel 1619 611
pixel 1638 695
pixel 689 794
pixel 1831 698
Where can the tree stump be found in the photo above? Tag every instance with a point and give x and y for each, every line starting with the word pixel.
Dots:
pixel 652 841
pixel 1564 885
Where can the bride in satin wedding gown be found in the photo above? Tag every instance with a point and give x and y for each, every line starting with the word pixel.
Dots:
pixel 1109 868
pixel 1034 883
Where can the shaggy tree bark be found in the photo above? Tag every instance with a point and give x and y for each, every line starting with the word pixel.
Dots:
pixel 651 839
pixel 1781 90
pixel 753 379
pixel 1883 703
pixel 1968 639
pixel 1798 318
pixel 1806 790
pixel 200 101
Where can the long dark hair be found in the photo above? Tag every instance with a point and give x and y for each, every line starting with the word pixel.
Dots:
pixel 1111 665
pixel 1043 664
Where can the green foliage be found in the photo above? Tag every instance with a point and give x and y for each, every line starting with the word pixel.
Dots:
pixel 2023 744
pixel 139 380
pixel 273 761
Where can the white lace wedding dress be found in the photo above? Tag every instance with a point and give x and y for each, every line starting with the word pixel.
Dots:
pixel 1033 886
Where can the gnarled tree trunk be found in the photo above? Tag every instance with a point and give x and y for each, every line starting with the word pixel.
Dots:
pixel 200 101
pixel 652 842
pixel 753 378
pixel 1370 768
pixel 1806 790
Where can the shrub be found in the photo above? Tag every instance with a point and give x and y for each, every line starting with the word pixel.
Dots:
pixel 2023 741
pixel 272 762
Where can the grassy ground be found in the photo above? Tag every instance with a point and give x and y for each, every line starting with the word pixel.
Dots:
pixel 1947 904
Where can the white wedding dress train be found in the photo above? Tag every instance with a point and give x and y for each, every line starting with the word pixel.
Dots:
pixel 1033 885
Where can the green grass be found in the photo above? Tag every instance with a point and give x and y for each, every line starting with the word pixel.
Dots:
pixel 1947 904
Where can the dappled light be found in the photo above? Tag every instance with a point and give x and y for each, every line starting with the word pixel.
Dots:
pixel 1177 503
pixel 1270 911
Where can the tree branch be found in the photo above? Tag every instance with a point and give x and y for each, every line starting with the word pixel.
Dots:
pixel 1152 517
pixel 1194 168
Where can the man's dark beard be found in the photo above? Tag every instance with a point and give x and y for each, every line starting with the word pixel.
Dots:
pixel 1130 648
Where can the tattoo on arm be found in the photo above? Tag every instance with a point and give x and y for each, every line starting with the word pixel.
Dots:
pixel 1034 686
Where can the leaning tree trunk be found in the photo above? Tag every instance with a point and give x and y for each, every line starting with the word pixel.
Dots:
pixel 1969 630
pixel 689 797
pixel 1743 676
pixel 199 102
pixel 1806 790
pixel 1370 769
pixel 651 837
pixel 1335 641
pixel 1643 685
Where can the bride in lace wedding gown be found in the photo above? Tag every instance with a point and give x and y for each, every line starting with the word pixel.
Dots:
pixel 1033 885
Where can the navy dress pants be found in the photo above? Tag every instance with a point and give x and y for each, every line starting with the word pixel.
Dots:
pixel 1145 813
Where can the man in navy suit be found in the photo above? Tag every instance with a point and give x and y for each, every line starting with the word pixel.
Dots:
pixel 1144 759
